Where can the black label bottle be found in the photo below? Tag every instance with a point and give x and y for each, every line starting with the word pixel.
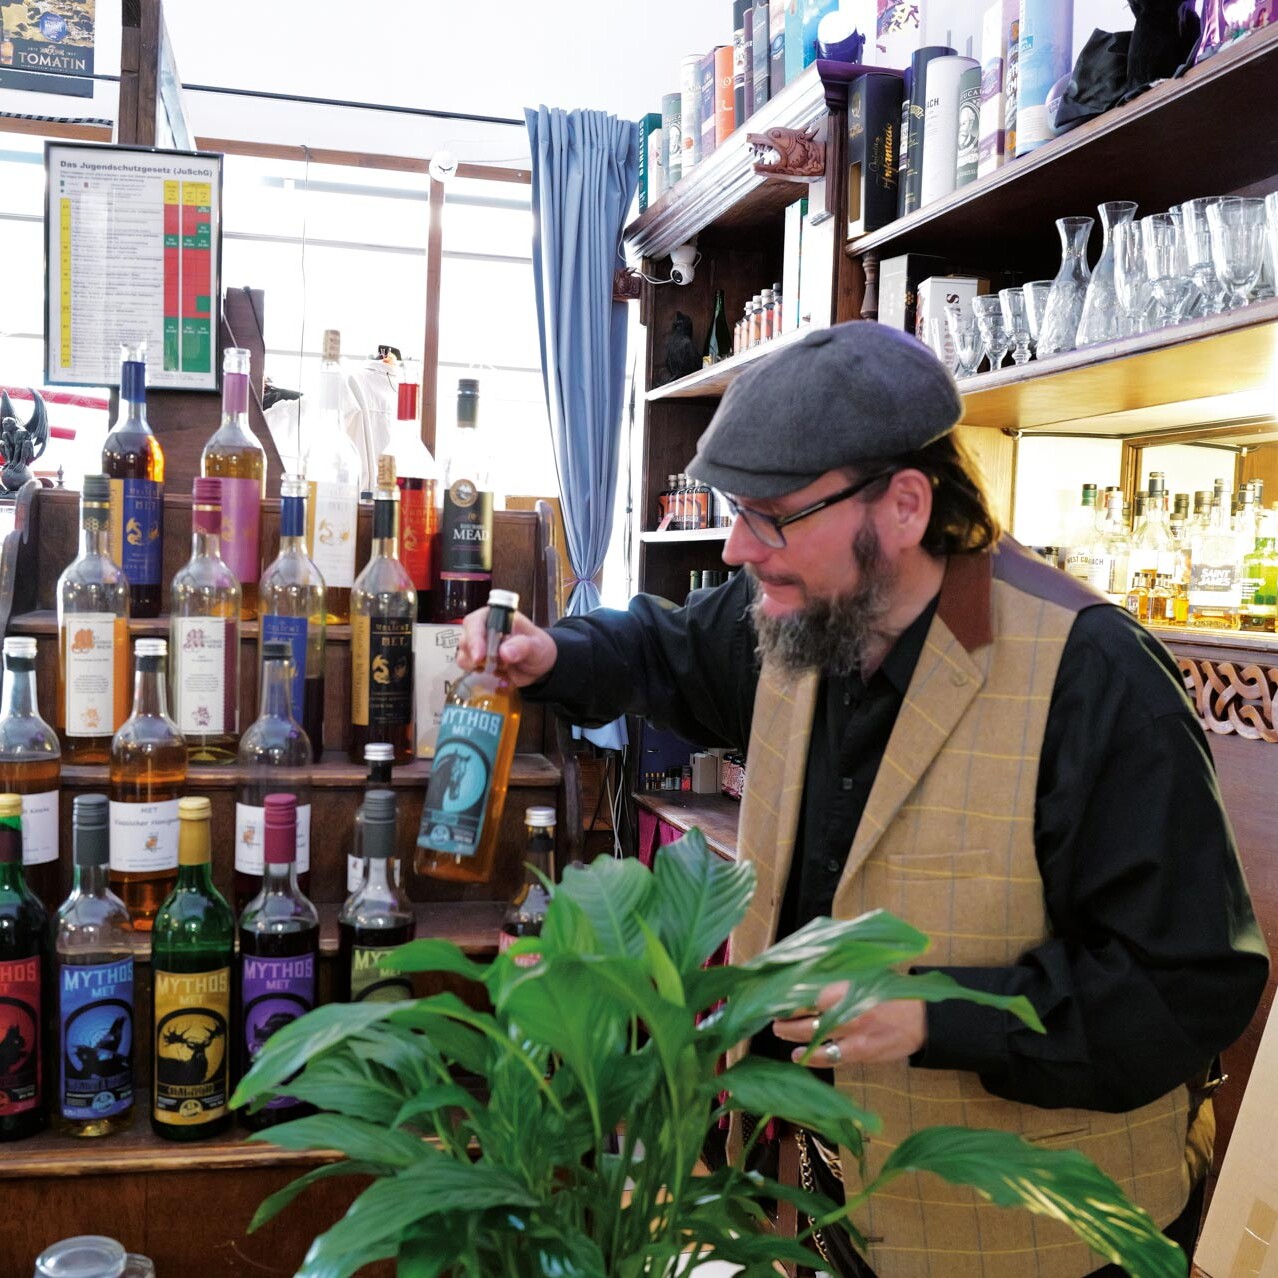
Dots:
pixel 134 461
pixel 192 950
pixel 527 911
pixel 380 758
pixel 377 917
pixel 31 765
pixel 93 956
pixel 461 818
pixel 466 527
pixel 279 952
pixel 23 972
pixel 383 612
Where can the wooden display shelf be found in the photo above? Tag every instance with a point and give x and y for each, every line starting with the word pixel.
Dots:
pixel 711 382
pixel 43 623
pixel 1168 145
pixel 1222 643
pixel 713 814
pixel 654 538
pixel 1156 383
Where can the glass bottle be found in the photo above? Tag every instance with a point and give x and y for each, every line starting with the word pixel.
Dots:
pixel 1102 317
pixel 1138 594
pixel 1153 547
pixel 293 610
pixel 1059 329
pixel 718 339
pixel 383 610
pixel 461 819
pixel 1215 582
pixel 235 455
pixel 380 758
pixel 377 916
pixel 1082 534
pixel 192 949
pixel 466 525
pixel 24 931
pixel 332 470
pixel 274 758
pixel 1260 569
pixel 134 461
pixel 93 636
pixel 148 773
pixel 93 953
pixel 418 514
pixel 1110 563
pixel 279 952
pixel 665 501
pixel 31 765
pixel 527 911
pixel 204 630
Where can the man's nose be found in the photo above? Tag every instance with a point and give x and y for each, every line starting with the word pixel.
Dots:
pixel 742 546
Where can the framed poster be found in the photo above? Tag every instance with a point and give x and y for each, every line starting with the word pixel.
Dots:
pixel 133 250
pixel 46 46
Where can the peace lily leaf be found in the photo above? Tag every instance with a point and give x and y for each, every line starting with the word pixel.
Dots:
pixel 345 1089
pixel 358 1140
pixel 1058 1183
pixel 664 973
pixel 697 899
pixel 610 894
pixel 872 940
pixel 433 955
pixel 566 930
pixel 432 1100
pixel 272 1206
pixel 426 1256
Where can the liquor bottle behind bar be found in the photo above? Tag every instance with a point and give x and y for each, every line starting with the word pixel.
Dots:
pixel 279 952
pixel 93 636
pixel 418 515
pixel 377 916
pixel 380 758
pixel 235 455
pixel 383 611
pixel 1260 568
pixel 93 953
pixel 192 950
pixel 134 462
pixel 274 758
pixel 24 930
pixel 148 773
pixel 332 471
pixel 719 337
pixel 461 818
pixel 293 609
pixel 527 911
pixel 466 526
pixel 1081 543
pixel 1215 580
pixel 204 630
pixel 31 766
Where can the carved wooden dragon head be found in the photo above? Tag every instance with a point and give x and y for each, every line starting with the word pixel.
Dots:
pixel 791 153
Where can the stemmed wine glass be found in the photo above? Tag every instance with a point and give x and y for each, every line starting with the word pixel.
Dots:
pixel 1016 318
pixel 969 345
pixel 1166 265
pixel 1036 293
pixel 989 318
pixel 1238 244
pixel 1130 282
pixel 1193 222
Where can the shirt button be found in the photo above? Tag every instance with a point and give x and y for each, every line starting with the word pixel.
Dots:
pixel 832 865
pixel 847 699
pixel 846 783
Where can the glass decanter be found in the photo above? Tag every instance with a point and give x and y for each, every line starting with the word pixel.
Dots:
pixel 1102 319
pixel 1059 330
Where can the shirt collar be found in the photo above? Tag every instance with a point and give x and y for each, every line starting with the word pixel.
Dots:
pixel 898 666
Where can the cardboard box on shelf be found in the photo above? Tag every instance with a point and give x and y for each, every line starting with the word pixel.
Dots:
pixel 936 293
pixel 899 280
pixel 435 670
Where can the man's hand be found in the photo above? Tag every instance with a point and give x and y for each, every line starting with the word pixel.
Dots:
pixel 890 1032
pixel 528 652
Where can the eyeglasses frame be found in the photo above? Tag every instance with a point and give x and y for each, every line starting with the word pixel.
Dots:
pixel 779 522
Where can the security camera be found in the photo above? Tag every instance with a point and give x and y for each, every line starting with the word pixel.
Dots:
pixel 683 261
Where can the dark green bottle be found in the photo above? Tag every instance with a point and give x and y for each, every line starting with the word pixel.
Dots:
pixel 23 973
pixel 719 337
pixel 192 949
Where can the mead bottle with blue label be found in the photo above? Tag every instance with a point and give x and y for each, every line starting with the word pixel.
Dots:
pixel 93 957
pixel 134 461
pixel 461 819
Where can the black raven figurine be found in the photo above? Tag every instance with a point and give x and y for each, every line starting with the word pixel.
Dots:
pixel 681 350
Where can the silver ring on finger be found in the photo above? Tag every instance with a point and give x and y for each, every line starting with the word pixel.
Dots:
pixel 816 1025
pixel 833 1053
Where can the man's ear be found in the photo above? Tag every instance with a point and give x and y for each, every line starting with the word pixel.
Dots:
pixel 907 509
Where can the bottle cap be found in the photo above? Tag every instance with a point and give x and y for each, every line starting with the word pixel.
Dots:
pixel 504 599
pixel 293 486
pixel 467 386
pixel 207 492
pixel 10 805
pixel 235 359
pixel 378 815
pixel 20 646
pixel 97 488
pixel 331 348
pixel 277 650
pixel 386 471
pixel 542 818
pixel 406 410
pixel 151 648
pixel 281 829
pixel 90 840
pixel 379 752
pixel 194 807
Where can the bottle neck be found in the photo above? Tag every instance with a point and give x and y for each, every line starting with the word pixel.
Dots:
pixel 385 528
pixel 19 698
pixel 279 878
pixel 205 544
pixel 12 878
pixel 331 396
pixel 292 524
pixel 91 880
pixel 377 881
pixel 150 697
pixel 380 772
pixel 95 540
pixel 235 392
pixel 277 691
pixel 498 629
pixel 197 877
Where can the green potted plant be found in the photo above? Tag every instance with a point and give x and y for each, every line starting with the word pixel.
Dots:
pixel 618 1027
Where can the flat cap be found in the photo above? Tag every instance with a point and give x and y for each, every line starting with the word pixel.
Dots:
pixel 842 396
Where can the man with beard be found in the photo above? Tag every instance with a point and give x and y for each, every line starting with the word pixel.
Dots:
pixel 941 724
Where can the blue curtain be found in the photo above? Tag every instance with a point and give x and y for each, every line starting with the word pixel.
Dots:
pixel 584 168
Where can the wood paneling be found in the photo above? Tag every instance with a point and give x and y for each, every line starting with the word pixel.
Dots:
pixel 996 453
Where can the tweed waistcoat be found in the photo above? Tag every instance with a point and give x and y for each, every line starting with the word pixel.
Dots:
pixel 946 842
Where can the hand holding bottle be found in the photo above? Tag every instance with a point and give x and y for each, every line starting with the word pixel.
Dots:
pixel 528 654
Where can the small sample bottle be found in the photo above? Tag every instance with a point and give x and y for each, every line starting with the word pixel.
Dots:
pixel 527 911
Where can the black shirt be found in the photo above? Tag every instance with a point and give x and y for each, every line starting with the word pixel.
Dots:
pixel 1155 962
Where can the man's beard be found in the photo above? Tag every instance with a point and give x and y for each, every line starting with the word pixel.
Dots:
pixel 836 634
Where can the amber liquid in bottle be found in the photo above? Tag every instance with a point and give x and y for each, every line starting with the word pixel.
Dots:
pixel 461 819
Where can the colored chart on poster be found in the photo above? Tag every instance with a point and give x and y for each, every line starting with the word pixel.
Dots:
pixel 133 251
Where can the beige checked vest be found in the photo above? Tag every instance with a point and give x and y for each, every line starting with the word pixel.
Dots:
pixel 947 843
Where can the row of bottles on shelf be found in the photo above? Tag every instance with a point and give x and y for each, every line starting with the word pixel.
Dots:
pixel 1215 566
pixel 760 323
pixel 686 505
pixel 148 769
pixel 445 551
pixel 223 980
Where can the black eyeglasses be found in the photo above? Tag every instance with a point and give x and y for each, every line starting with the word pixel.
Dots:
pixel 767 528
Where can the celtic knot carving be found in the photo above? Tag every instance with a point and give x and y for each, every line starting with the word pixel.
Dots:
pixel 1232 698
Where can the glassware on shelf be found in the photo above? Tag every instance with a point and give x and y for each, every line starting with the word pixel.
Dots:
pixel 1238 245
pixel 1016 318
pixel 1167 266
pixel 1197 232
pixel 989 318
pixel 1102 317
pixel 969 345
pixel 938 339
pixel 1131 284
pixel 1271 219
pixel 1036 293
pixel 1059 331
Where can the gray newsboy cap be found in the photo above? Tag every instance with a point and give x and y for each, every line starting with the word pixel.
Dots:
pixel 854 393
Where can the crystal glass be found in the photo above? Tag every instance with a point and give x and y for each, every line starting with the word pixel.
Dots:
pixel 1197 232
pixel 1271 219
pixel 969 345
pixel 1016 317
pixel 1131 284
pixel 1238 245
pixel 989 319
pixel 1167 265
pixel 938 339
pixel 1036 293
pixel 1059 330
pixel 1102 319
